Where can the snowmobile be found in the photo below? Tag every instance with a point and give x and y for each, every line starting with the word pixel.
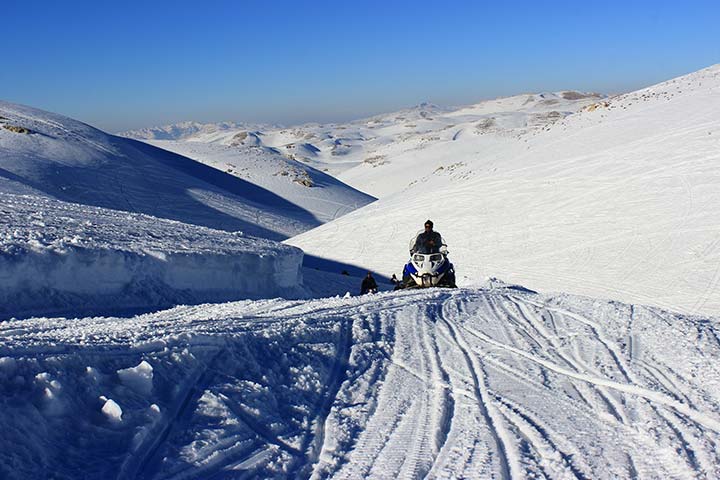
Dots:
pixel 428 270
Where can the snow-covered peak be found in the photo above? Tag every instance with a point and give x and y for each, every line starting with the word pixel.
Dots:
pixel 183 130
pixel 367 142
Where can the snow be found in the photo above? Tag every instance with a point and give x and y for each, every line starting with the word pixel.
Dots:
pixel 70 161
pixel 316 192
pixel 112 410
pixel 396 140
pixel 185 130
pixel 57 256
pixel 615 201
pixel 606 197
pixel 138 378
pixel 465 383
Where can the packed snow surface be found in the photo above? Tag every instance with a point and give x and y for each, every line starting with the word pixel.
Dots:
pixel 62 256
pixel 497 382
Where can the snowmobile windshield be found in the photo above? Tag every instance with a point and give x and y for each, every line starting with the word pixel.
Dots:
pixel 413 241
pixel 427 243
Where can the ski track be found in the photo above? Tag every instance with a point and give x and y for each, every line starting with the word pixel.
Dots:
pixel 425 384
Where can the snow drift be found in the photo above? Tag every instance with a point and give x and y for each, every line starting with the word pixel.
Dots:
pixel 61 256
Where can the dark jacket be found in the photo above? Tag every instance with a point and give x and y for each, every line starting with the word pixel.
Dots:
pixel 368 284
pixel 427 242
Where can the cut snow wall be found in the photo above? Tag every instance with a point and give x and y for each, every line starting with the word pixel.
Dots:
pixel 113 279
pixel 59 257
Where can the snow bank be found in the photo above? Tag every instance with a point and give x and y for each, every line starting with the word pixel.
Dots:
pixel 57 256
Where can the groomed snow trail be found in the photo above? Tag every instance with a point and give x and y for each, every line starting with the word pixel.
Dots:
pixel 492 383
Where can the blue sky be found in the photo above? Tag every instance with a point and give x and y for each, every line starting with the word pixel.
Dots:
pixel 121 65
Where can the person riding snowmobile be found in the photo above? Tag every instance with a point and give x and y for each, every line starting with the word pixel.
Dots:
pixel 428 264
pixel 428 241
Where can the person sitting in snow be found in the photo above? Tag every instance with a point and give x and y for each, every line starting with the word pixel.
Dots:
pixel 368 285
pixel 428 241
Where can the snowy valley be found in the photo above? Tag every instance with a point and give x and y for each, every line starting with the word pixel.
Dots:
pixel 172 303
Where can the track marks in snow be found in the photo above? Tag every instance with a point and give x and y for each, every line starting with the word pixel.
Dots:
pixel 508 465
pixel 415 406
pixel 543 441
pixel 650 395
pixel 430 384
pixel 576 347
pixel 314 443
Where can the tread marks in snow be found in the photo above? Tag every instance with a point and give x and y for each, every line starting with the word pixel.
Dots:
pixel 409 384
pixel 144 463
pixel 508 465
pixel 356 401
pixel 314 441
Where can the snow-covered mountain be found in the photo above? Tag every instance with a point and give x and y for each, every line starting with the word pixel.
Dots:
pixel 610 197
pixel 414 144
pixel 354 150
pixel 616 201
pixel 380 154
pixel 47 154
pixel 298 183
pixel 184 130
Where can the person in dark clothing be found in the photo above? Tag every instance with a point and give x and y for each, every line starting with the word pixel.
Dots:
pixel 428 241
pixel 368 285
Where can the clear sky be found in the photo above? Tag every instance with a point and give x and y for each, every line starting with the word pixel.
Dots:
pixel 128 64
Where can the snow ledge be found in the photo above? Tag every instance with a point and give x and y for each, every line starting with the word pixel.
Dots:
pixel 57 256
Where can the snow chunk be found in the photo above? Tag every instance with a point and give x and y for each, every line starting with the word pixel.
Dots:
pixel 112 410
pixel 138 378
pixel 7 364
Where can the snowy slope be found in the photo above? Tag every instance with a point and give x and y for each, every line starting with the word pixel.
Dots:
pixel 58 256
pixel 48 154
pixel 404 148
pixel 316 192
pixel 617 201
pixel 493 383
